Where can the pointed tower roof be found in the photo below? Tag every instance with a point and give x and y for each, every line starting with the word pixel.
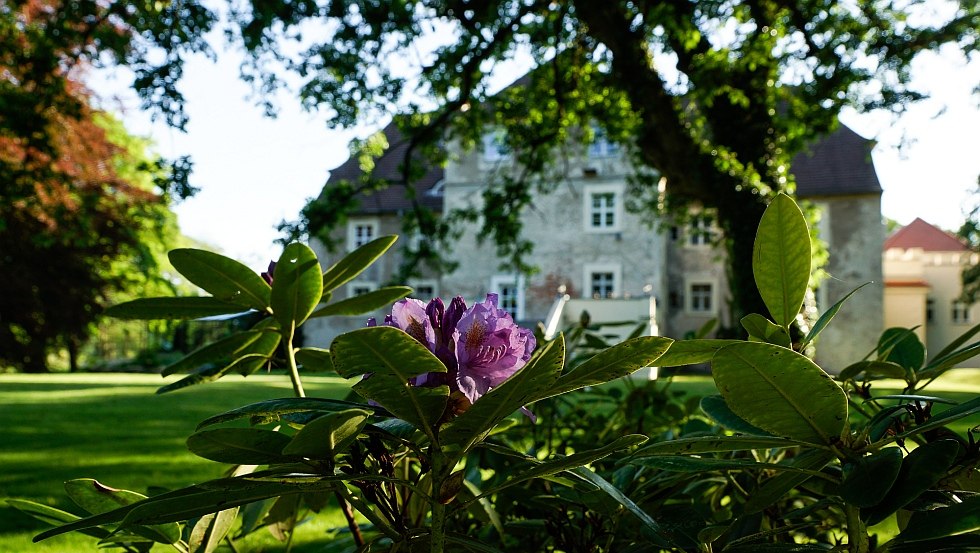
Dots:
pixel 920 234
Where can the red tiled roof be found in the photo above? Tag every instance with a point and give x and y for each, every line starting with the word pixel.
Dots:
pixel 920 234
pixel 906 284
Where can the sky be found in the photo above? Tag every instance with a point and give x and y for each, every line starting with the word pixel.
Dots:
pixel 253 171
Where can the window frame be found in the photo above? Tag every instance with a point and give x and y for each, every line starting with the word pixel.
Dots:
pixel 497 284
pixel 352 226
pixel 958 308
pixel 616 210
pixel 591 269
pixel 690 297
pixel 426 282
pixel 353 286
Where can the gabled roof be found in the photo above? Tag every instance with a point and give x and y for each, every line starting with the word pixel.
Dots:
pixel 920 234
pixel 389 167
pixel 838 164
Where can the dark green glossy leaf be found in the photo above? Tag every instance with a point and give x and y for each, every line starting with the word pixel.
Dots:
pixel 761 329
pixel 315 359
pixel 940 365
pixel 222 351
pixel 365 303
pixel 620 360
pixel 684 463
pixel 391 357
pixel 239 446
pixel 691 352
pixel 273 409
pixel 297 286
pixel 772 489
pixel 958 518
pixel 921 469
pixel 713 444
pixel 909 398
pixel 955 345
pixel 781 392
pixel 901 346
pixel 189 307
pixel 96 498
pixel 872 369
pixel 625 501
pixel 781 259
pixel 969 543
pixel 866 481
pixel 716 408
pixel 945 417
pixel 355 262
pixel 534 380
pixel 222 277
pixel 827 316
pixel 561 464
pixel 327 435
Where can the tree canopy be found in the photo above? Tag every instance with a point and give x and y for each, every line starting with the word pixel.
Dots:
pixel 712 96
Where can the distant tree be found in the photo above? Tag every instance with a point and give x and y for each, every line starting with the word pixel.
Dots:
pixel 84 211
pixel 969 232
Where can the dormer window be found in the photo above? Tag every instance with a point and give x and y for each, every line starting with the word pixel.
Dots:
pixel 360 232
pixel 601 146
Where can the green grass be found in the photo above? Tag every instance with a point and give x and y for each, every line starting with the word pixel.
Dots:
pixel 112 427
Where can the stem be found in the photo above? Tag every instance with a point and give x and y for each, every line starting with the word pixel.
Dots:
pixel 369 513
pixel 351 523
pixel 437 532
pixel 293 368
pixel 437 535
pixel 857 535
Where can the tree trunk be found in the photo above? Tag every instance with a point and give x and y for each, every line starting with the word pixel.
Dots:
pixel 739 217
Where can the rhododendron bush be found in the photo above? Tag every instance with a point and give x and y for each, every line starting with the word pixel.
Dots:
pixel 431 452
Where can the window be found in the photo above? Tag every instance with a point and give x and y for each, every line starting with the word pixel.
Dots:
pixel 601 146
pixel 961 312
pixel 603 207
pixel 602 281
pixel 699 232
pixel 495 147
pixel 424 290
pixel 603 285
pixel 360 288
pixel 930 310
pixel 702 298
pixel 360 232
pixel 510 294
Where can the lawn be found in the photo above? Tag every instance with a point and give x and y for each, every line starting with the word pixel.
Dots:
pixel 112 427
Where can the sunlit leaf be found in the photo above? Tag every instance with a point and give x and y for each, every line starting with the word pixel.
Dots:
pixel 364 303
pixel 222 277
pixel 691 352
pixel 297 285
pixel 620 360
pixel 827 316
pixel 189 307
pixel 327 435
pixel 781 259
pixel 240 446
pixel 356 262
pixel 761 329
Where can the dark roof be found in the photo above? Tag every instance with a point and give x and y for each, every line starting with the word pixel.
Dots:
pixel 836 165
pixel 389 167
pixel 920 234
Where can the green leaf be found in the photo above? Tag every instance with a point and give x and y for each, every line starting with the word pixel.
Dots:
pixel 190 307
pixel 296 286
pixel 391 357
pixel 872 369
pixel 560 464
pixel 955 344
pixel 692 352
pixel 96 498
pixel 940 365
pixel 222 277
pixel 221 351
pixel 921 469
pixel 683 463
pixel 625 501
pixel 781 259
pixel 761 329
pixel 774 488
pixel 365 303
pixel 315 359
pixel 618 361
pixel 967 543
pixel 356 262
pixel 866 481
pixel 533 381
pixel 210 530
pixel 52 516
pixel 273 409
pixel 719 411
pixel 327 435
pixel 958 518
pixel 713 444
pixel 239 446
pixel 827 316
pixel 781 392
pixel 901 346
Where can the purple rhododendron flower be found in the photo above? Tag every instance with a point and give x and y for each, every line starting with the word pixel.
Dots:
pixel 481 346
